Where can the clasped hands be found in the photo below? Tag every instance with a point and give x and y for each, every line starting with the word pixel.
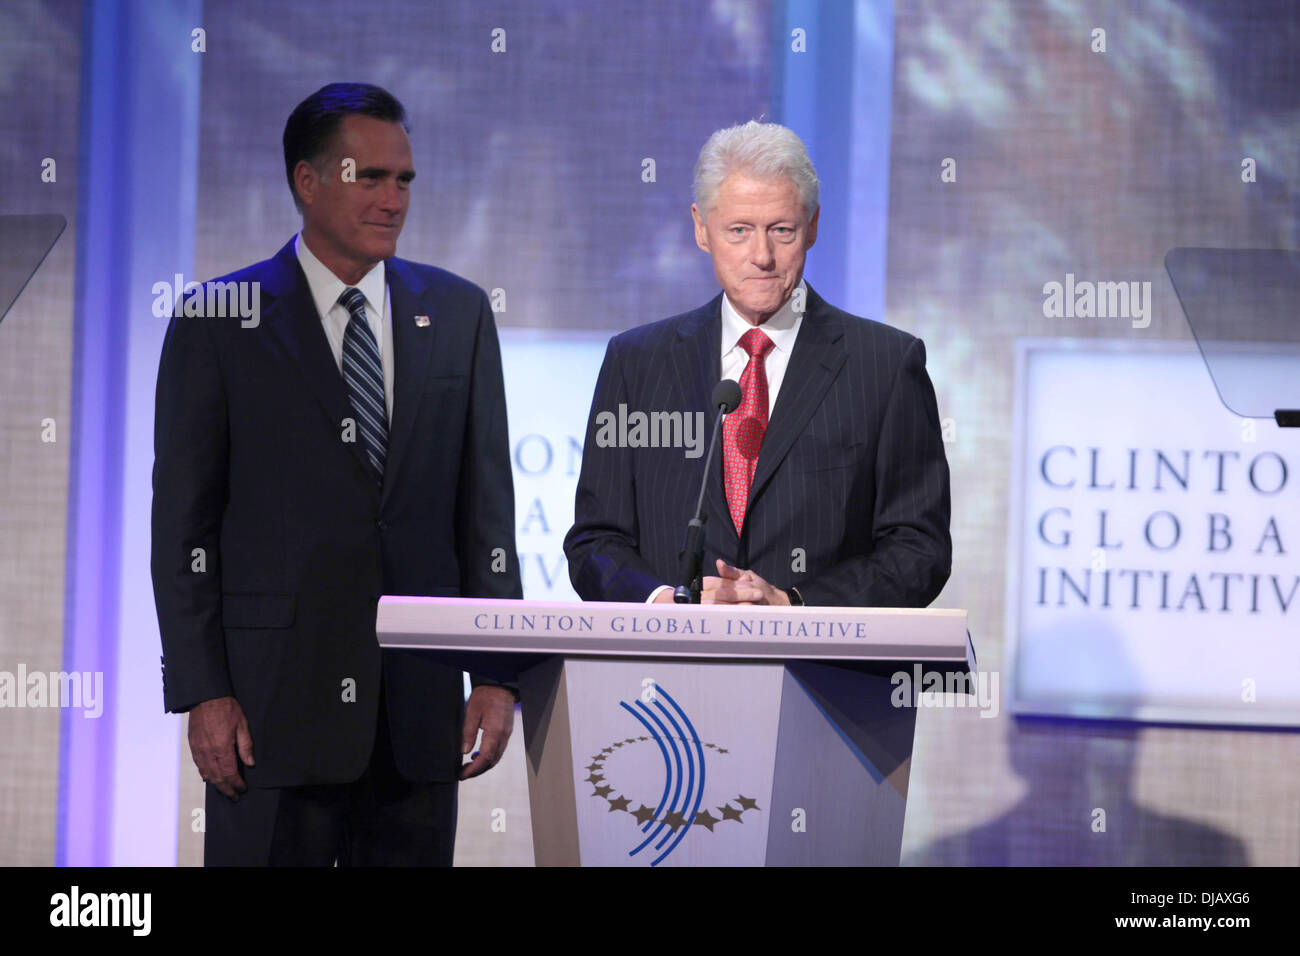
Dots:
pixel 734 586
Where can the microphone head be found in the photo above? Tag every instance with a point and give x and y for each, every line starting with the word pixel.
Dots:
pixel 726 395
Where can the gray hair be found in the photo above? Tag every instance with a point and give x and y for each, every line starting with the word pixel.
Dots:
pixel 761 150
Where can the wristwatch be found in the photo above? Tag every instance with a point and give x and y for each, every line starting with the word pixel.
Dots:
pixel 796 599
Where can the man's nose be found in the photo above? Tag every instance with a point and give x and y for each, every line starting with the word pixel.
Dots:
pixel 761 252
pixel 390 197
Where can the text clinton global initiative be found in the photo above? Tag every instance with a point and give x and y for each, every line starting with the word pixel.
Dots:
pixel 633 624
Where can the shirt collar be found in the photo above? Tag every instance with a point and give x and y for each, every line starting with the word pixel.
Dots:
pixel 780 328
pixel 326 287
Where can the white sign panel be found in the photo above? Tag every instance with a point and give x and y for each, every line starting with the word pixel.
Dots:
pixel 1153 570
pixel 550 378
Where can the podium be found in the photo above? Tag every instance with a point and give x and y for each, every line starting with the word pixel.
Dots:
pixel 703 735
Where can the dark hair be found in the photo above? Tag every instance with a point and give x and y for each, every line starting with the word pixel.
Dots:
pixel 309 133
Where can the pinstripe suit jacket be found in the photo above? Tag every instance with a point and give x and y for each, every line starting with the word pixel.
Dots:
pixel 850 498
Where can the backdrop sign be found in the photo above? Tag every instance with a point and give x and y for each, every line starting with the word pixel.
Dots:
pixel 550 378
pixel 1152 566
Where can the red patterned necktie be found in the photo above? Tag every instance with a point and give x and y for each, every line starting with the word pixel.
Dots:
pixel 743 429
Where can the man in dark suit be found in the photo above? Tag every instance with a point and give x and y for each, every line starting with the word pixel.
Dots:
pixel 833 485
pixel 348 441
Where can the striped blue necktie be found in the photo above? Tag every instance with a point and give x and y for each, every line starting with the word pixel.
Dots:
pixel 364 374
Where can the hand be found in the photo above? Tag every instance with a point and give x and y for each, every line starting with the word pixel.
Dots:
pixel 734 586
pixel 665 597
pixel 218 729
pixel 493 709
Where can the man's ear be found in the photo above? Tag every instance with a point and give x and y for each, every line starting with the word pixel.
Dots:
pixel 701 233
pixel 306 180
pixel 812 228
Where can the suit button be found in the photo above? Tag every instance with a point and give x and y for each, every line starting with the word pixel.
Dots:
pixel 381 525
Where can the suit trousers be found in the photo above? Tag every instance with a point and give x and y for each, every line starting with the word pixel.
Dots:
pixel 379 819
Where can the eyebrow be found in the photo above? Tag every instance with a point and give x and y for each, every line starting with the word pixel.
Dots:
pixel 407 174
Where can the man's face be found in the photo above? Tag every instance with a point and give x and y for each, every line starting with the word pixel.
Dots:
pixel 758 234
pixel 357 223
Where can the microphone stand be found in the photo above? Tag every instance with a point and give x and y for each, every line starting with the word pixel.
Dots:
pixel 688 591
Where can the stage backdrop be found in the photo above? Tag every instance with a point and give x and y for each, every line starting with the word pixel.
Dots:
pixel 1048 143
pixel 1011 144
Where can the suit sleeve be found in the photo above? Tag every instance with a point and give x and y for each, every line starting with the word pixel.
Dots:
pixel 191 448
pixel 911 554
pixel 602 545
pixel 485 513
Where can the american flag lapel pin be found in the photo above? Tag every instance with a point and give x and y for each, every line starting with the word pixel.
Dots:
pixel 421 321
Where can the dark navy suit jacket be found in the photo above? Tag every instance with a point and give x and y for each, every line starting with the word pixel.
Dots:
pixel 850 498
pixel 298 539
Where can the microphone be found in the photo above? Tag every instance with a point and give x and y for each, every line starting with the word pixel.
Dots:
pixel 726 398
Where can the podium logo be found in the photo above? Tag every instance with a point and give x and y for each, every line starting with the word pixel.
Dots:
pixel 676 812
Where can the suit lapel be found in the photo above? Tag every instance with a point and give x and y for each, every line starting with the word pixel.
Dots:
pixel 413 350
pixel 293 319
pixel 698 363
pixel 814 363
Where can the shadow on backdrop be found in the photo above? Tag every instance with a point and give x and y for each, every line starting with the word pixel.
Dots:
pixel 1080 777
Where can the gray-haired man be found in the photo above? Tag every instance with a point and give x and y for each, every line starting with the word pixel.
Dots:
pixel 833 485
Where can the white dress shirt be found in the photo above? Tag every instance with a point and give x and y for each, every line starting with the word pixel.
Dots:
pixel 326 288
pixel 782 329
